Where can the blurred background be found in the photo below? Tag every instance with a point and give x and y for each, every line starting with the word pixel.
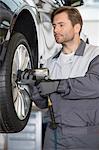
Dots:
pixel 90 14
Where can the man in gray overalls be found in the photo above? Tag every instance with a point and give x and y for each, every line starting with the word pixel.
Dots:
pixel 73 88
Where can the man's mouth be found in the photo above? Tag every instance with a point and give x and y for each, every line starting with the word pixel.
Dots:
pixel 57 36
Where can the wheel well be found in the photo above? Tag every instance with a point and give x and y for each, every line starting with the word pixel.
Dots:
pixel 26 25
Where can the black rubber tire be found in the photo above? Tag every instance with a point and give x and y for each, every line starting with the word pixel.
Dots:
pixel 9 121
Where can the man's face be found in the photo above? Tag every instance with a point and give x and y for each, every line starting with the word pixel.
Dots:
pixel 63 30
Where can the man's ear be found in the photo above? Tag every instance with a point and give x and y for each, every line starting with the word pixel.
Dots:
pixel 77 28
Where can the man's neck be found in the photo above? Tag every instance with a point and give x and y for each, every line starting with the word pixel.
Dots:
pixel 71 47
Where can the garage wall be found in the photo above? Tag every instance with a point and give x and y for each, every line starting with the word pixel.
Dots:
pixel 90 16
pixel 91 29
pixel 30 138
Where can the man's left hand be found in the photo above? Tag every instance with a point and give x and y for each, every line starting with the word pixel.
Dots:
pixel 47 87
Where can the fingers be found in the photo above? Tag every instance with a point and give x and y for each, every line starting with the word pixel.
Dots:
pixel 27 74
pixel 40 88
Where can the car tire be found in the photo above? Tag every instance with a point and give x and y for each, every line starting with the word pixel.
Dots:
pixel 15 103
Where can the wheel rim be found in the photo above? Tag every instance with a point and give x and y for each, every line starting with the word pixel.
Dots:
pixel 21 99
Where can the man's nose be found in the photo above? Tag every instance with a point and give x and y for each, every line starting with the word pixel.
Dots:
pixel 56 29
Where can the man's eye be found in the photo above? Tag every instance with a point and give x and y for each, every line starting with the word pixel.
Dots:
pixel 61 25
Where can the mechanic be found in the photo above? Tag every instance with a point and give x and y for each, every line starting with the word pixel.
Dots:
pixel 73 87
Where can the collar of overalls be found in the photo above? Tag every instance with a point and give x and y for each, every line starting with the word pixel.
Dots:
pixel 79 51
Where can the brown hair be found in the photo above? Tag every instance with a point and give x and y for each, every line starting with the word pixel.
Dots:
pixel 73 15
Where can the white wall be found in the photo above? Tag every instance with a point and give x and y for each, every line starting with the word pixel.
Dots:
pixel 90 16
